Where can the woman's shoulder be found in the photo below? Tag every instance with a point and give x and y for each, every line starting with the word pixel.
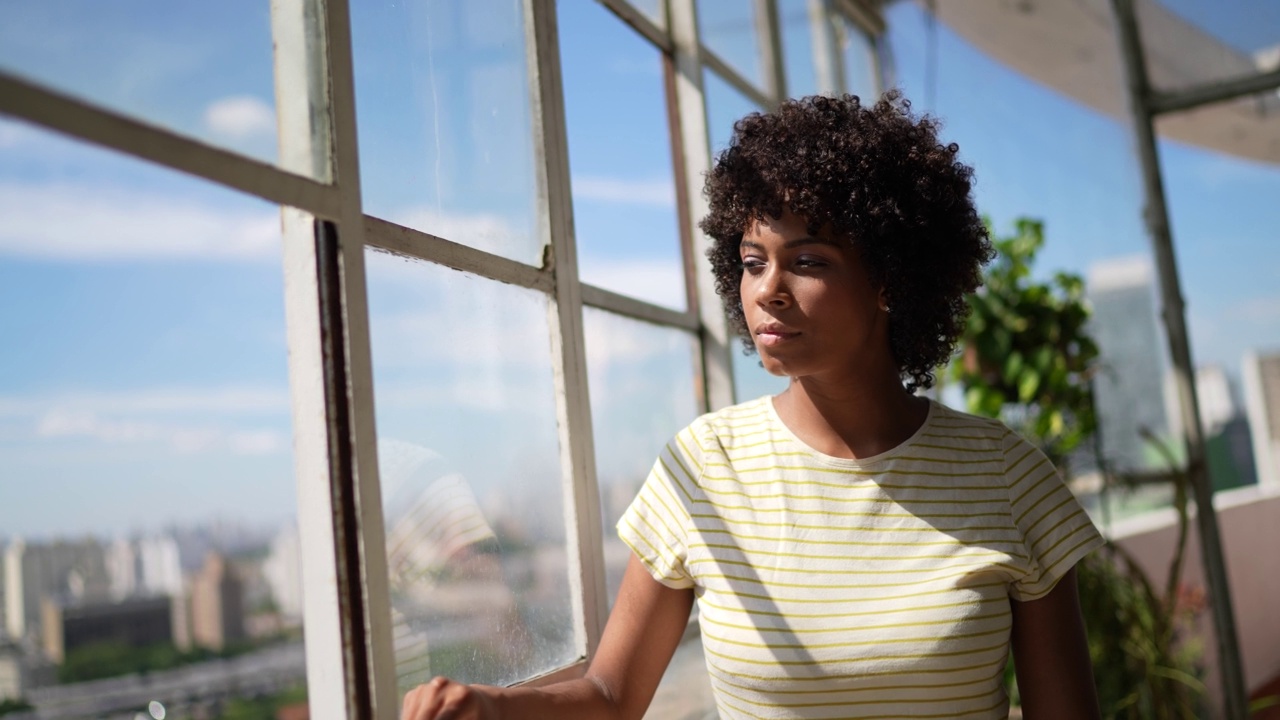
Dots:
pixel 967 429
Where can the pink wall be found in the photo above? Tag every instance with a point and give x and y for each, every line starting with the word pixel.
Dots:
pixel 1249 523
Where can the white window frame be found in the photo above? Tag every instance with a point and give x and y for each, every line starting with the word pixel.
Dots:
pixel 350 663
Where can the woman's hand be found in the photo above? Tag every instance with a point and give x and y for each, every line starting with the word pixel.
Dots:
pixel 444 699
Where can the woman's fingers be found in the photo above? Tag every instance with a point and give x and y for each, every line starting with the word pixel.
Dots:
pixel 444 699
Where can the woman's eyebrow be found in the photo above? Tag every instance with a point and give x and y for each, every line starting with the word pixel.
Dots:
pixel 807 240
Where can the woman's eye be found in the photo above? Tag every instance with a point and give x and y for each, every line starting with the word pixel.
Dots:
pixel 752 265
pixel 811 262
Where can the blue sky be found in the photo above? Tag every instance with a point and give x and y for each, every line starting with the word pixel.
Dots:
pixel 145 379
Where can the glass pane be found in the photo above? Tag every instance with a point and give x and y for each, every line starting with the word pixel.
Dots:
pixel 725 106
pixel 446 139
pixel 470 467
pixel 624 197
pixel 655 10
pixel 144 437
pixel 202 69
pixel 1223 217
pixel 729 29
pixel 797 48
pixel 750 379
pixel 642 394
pixel 859 56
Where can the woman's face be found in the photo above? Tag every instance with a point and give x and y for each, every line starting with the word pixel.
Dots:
pixel 809 302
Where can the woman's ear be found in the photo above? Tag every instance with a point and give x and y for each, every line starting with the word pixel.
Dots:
pixel 883 300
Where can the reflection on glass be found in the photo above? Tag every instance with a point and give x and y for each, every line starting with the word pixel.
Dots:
pixel 442 99
pixel 470 470
pixel 729 29
pixel 797 47
pixel 624 198
pixel 642 394
pixel 859 56
pixel 202 69
pixel 144 437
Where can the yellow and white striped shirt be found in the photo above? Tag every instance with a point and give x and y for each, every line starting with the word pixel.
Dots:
pixel 870 588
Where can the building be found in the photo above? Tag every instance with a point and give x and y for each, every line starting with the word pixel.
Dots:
pixel 144 567
pixel 1130 396
pixel 1262 404
pixel 1228 450
pixel 66 570
pixel 136 622
pixel 217 604
pixel 283 572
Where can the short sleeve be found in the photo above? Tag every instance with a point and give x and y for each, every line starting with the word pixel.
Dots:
pixel 1055 529
pixel 655 525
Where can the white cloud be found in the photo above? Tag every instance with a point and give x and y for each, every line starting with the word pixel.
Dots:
pixel 653 193
pixel 60 423
pixel 487 232
pixel 240 117
pixel 657 281
pixel 70 221
pixel 207 401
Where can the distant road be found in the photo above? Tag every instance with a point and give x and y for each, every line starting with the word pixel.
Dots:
pixel 255 674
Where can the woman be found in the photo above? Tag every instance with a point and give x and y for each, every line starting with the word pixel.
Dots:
pixel 856 551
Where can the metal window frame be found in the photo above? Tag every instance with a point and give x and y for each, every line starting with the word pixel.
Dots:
pixel 325 233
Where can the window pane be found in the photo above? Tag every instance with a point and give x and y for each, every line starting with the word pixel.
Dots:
pixel 446 145
pixel 642 394
pixel 729 28
pixel 725 106
pixel 655 10
pixel 859 60
pixel 797 48
pixel 470 469
pixel 202 69
pixel 144 436
pixel 750 379
pixel 624 197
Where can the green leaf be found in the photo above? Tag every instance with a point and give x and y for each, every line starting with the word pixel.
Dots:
pixel 1028 384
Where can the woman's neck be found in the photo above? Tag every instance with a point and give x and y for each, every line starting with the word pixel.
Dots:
pixel 851 419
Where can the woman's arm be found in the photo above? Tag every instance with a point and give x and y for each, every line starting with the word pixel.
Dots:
pixel 1051 656
pixel 641 636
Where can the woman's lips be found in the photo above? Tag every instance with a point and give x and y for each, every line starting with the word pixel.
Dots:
pixel 772 335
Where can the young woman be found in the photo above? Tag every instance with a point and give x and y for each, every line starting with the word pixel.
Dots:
pixel 855 550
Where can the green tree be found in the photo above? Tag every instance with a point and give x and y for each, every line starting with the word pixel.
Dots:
pixel 1027 355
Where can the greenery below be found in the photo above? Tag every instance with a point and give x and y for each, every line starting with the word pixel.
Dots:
pixel 263 708
pixel 13 705
pixel 112 659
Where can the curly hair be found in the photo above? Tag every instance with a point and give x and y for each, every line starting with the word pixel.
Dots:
pixel 878 177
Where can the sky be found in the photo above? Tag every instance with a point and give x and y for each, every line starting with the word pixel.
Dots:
pixel 144 380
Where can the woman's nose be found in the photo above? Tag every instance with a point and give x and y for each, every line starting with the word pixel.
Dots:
pixel 772 288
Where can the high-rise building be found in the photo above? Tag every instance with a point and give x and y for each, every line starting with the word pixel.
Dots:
pixel 217 604
pixel 1129 392
pixel 63 570
pixel 144 567
pixel 283 572
pixel 1262 403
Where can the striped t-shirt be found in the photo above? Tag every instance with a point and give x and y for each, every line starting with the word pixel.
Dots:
pixel 870 588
